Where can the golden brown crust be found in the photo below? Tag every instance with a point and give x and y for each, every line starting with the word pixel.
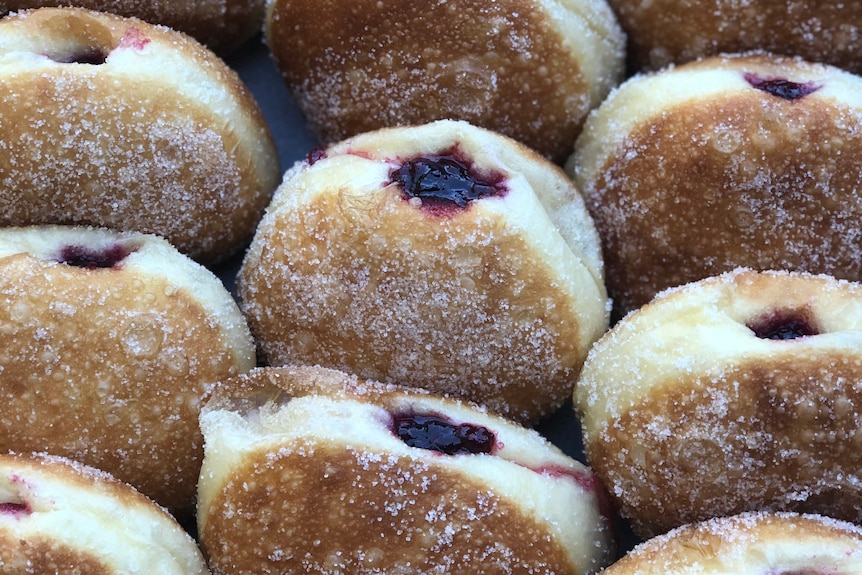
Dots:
pixel 219 24
pixel 422 527
pixel 59 516
pixel 661 32
pixel 304 473
pixel 733 177
pixel 719 421
pixel 110 367
pixel 491 304
pixel 162 137
pixel 29 556
pixel 749 543
pixel 359 67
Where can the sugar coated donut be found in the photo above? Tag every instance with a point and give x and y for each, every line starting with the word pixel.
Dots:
pixel 751 161
pixel 311 470
pixel 58 516
pixel 113 122
pixel 441 256
pixel 750 543
pixel 220 24
pixel 737 393
pixel 530 69
pixel 109 344
pixel 661 32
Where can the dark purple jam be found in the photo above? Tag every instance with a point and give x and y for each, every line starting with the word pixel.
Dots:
pixel 781 87
pixel 315 156
pixel 783 325
pixel 9 508
pixel 93 56
pixel 445 180
pixel 84 257
pixel 436 433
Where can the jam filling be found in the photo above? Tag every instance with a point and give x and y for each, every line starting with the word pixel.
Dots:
pixel 444 180
pixel 84 257
pixel 783 325
pixel 315 155
pixel 781 87
pixel 10 508
pixel 436 433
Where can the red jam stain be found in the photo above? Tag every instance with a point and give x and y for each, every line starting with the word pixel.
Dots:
pixel 436 433
pixel 586 481
pixel 84 257
pixel 15 509
pixel 445 183
pixel 134 39
pixel 783 325
pixel 781 87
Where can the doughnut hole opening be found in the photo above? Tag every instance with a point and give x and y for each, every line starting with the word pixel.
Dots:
pixel 783 325
pixel 442 435
pixel 84 40
pixel 105 257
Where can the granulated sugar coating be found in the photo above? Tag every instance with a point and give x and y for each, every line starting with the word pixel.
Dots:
pixel 219 24
pixel 662 32
pixel 529 69
pixel 496 302
pixel 772 543
pixel 115 123
pixel 110 366
pixel 688 413
pixel 59 516
pixel 303 473
pixel 699 169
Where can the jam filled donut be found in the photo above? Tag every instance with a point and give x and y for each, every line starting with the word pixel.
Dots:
pixel 751 161
pixel 737 393
pixel 530 69
pixel 750 543
pixel 109 344
pixel 220 24
pixel 58 516
pixel 441 256
pixel 117 123
pixel 661 32
pixel 314 471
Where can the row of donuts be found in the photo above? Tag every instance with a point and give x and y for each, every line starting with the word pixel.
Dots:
pixel 819 31
pixel 285 444
pixel 687 172
pixel 530 70
pixel 113 340
pixel 500 186
pixel 732 152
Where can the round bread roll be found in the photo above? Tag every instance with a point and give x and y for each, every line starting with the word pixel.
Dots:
pixel 311 470
pixel 58 516
pixel 220 24
pixel 117 123
pixel 736 393
pixel 441 256
pixel 109 344
pixel 530 69
pixel 662 32
pixel 751 161
pixel 750 543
